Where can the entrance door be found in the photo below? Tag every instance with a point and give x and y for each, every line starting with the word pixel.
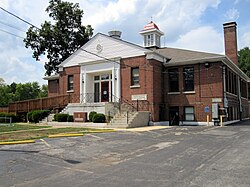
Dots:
pixel 105 91
pixel 174 115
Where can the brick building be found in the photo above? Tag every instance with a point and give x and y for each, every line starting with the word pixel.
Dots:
pixel 175 85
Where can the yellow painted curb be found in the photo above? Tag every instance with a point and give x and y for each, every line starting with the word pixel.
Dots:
pixel 17 142
pixel 63 135
pixel 100 131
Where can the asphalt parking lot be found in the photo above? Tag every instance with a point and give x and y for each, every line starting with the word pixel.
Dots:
pixel 173 156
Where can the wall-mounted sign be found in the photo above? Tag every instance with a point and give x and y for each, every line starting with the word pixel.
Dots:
pixel 216 100
pixel 140 97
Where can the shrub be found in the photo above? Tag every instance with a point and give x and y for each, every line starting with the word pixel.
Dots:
pixel 99 118
pixel 37 115
pixel 29 116
pixel 14 118
pixel 70 118
pixel 61 117
pixel 91 114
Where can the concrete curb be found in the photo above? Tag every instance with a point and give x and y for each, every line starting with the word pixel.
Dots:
pixel 17 142
pixel 64 135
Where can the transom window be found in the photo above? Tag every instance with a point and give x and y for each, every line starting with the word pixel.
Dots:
pixel 134 76
pixel 188 78
pixel 173 76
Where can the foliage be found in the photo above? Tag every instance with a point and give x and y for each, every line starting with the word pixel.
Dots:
pixel 61 37
pixel 37 115
pixel 91 114
pixel 70 118
pixel 99 118
pixel 244 60
pixel 18 92
pixel 61 117
pixel 14 118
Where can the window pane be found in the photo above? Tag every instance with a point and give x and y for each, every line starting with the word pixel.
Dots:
pixel 189 110
pixel 97 78
pixel 70 82
pixel 189 113
pixel 173 80
pixel 104 77
pixel 135 76
pixel 188 78
pixel 189 117
pixel 97 92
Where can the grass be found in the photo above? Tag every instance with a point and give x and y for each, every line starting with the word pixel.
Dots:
pixel 18 127
pixel 32 132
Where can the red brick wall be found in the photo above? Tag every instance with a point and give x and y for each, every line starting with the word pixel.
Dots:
pixel 149 78
pixel 63 80
pixel 53 88
pixel 208 84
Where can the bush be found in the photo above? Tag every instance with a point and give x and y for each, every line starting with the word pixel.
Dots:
pixel 70 118
pixel 91 114
pixel 37 115
pixel 29 116
pixel 14 118
pixel 61 117
pixel 99 118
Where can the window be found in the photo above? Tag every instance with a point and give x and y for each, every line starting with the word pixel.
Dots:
pixel 149 40
pixel 188 78
pixel 173 77
pixel 134 76
pixel 70 82
pixel 189 113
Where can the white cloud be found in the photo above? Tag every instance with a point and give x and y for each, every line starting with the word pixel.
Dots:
pixel 245 40
pixel 232 14
pixel 205 39
pixel 102 14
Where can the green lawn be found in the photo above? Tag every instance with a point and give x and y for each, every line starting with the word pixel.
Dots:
pixel 17 127
pixel 31 132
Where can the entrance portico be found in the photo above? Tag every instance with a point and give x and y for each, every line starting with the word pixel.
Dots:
pixel 100 82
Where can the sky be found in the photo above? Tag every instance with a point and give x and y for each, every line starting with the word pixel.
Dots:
pixel 187 24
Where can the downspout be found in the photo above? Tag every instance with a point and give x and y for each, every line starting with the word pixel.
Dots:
pixel 224 89
pixel 239 96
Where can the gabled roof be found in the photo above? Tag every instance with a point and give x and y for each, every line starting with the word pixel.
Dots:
pixel 102 47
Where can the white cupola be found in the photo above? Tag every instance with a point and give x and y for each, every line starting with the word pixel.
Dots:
pixel 151 35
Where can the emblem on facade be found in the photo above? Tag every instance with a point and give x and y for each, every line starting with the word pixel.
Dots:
pixel 99 48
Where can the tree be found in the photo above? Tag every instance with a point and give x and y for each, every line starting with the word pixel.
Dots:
pixel 60 39
pixel 2 82
pixel 244 60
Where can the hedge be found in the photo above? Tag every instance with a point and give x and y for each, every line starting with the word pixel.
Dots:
pixel 63 118
pixel 99 118
pixel 14 118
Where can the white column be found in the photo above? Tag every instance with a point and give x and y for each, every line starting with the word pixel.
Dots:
pixel 118 81
pixel 113 84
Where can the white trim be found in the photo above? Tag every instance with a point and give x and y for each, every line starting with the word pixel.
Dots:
pixel 174 93
pixel 189 92
pixel 135 86
pixel 230 122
